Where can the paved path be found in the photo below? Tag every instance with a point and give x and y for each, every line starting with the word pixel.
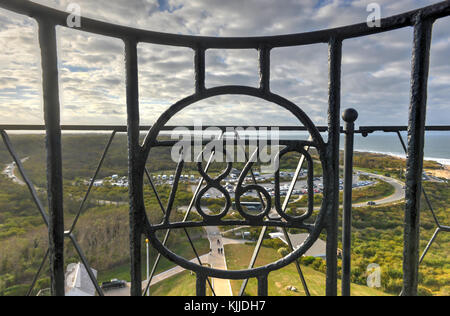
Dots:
pixel 217 261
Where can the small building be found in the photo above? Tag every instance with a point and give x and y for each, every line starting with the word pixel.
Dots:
pixel 98 183
pixel 318 249
pixel 78 282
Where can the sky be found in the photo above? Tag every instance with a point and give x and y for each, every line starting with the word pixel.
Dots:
pixel 375 70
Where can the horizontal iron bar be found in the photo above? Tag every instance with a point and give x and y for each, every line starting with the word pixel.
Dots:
pixel 268 223
pixel 123 128
pixel 57 17
pixel 391 129
pixel 235 142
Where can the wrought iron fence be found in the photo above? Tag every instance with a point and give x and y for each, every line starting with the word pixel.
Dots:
pixel 327 219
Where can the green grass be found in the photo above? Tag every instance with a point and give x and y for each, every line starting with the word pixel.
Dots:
pixel 182 284
pixel 122 272
pixel 238 257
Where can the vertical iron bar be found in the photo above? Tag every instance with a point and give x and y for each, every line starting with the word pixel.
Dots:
pixel 135 165
pixel 263 285
pixel 199 64
pixel 334 106
pixel 201 284
pixel 264 69
pixel 50 89
pixel 414 165
pixel 349 116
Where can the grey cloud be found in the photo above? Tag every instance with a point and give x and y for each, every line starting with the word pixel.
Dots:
pixel 375 69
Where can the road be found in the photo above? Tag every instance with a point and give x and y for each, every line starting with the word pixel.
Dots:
pixel 9 172
pixel 398 195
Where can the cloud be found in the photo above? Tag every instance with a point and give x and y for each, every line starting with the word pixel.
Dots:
pixel 375 72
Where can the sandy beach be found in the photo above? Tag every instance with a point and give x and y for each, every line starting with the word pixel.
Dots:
pixel 440 173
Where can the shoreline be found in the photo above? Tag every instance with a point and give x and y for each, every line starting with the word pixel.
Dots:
pixel 443 161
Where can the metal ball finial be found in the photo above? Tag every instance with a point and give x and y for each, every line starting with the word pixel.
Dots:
pixel 350 115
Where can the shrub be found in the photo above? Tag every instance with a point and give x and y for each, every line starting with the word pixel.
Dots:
pixel 283 252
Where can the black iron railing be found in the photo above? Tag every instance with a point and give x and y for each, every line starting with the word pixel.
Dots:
pixel 327 220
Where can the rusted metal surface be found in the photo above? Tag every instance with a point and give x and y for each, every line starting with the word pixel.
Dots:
pixel 31 9
pixel 349 116
pixel 50 82
pixel 416 140
pixel 332 156
pixel 136 166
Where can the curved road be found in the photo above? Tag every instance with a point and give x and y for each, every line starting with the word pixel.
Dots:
pixel 398 195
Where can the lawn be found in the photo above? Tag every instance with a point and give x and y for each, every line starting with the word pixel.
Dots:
pixel 238 257
pixel 182 284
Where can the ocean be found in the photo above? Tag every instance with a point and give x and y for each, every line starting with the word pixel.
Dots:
pixel 437 144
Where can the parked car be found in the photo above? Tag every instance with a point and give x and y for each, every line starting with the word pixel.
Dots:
pixel 371 203
pixel 114 284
